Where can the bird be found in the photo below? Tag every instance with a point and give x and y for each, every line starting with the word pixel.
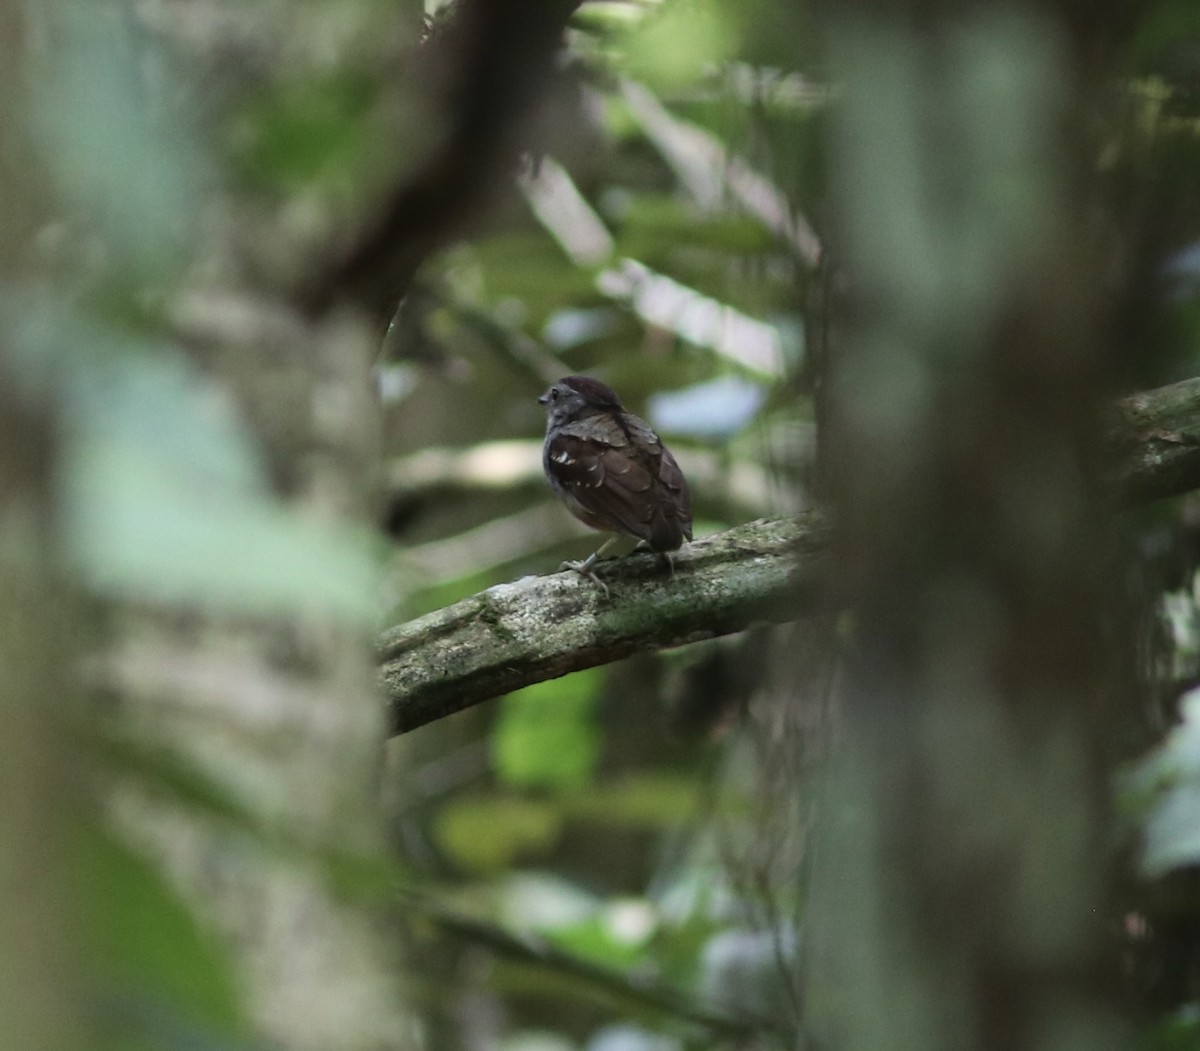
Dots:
pixel 612 471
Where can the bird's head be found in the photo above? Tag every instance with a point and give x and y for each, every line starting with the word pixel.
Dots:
pixel 573 396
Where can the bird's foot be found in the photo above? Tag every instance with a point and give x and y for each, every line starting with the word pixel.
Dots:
pixel 666 556
pixel 584 569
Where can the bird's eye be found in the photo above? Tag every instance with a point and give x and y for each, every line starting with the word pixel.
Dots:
pixel 553 393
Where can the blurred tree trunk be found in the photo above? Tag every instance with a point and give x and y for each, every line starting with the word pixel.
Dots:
pixel 278 710
pixel 40 1004
pixel 286 712
pixel 38 994
pixel 960 895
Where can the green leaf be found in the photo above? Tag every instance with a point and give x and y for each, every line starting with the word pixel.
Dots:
pixel 163 981
pixel 547 735
pixel 615 936
pixel 136 172
pixel 487 834
pixel 142 526
pixel 1172 828
pixel 315 131
pixel 1179 1031
pixel 1168 29
pixel 1173 831
pixel 526 268
pixel 654 227
pixel 165 497
pixel 682 43
pixel 649 800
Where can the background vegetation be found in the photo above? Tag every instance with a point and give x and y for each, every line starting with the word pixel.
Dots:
pixel 281 284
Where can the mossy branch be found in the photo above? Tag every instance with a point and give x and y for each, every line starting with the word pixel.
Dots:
pixel 770 570
pixel 537 628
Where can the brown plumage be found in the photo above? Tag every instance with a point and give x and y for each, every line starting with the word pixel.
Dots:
pixel 611 469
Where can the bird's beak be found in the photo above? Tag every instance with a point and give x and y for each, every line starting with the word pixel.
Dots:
pixel 543 399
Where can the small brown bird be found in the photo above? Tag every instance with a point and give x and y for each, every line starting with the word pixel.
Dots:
pixel 611 470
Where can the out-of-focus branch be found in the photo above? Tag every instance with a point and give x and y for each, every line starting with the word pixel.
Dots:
pixel 1156 435
pixel 487 64
pixel 592 979
pixel 771 570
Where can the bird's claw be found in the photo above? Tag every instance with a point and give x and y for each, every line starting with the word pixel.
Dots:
pixel 584 569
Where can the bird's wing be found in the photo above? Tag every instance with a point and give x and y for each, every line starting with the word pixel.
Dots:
pixel 602 475
pixel 671 522
pixel 671 478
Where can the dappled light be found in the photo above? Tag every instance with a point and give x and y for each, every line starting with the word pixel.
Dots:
pixel 877 727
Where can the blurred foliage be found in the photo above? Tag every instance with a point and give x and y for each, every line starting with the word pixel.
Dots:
pixel 311 134
pixel 166 499
pixel 545 734
pixel 503 788
pixel 165 511
pixel 604 814
pixel 162 982
pixel 590 777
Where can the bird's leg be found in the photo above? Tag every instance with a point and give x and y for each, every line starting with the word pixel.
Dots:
pixel 666 556
pixel 584 568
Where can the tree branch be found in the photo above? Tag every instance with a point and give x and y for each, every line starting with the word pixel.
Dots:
pixel 771 570
pixel 1156 441
pixel 638 992
pixel 537 628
